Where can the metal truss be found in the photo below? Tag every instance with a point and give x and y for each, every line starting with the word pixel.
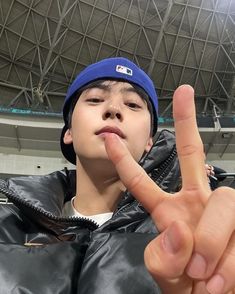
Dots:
pixel 46 43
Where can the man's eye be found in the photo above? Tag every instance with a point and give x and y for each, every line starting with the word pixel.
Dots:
pixel 94 100
pixel 133 105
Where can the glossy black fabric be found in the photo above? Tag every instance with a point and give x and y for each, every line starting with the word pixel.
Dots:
pixel 42 252
pixel 43 269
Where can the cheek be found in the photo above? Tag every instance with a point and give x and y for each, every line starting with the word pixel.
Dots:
pixel 143 128
pixel 84 124
pixel 140 139
pixel 81 120
pixel 78 129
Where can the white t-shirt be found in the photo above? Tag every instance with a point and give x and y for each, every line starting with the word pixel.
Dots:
pixel 69 210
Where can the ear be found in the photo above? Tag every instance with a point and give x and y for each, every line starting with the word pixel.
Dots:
pixel 68 139
pixel 149 144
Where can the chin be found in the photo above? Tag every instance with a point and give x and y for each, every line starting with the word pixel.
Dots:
pixel 95 159
pixel 102 166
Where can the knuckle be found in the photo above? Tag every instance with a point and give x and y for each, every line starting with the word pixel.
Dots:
pixel 225 191
pixel 207 238
pixel 136 180
pixel 190 149
pixel 225 196
pixel 207 235
pixel 161 265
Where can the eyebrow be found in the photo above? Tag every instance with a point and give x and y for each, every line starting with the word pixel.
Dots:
pixel 108 88
pixel 99 86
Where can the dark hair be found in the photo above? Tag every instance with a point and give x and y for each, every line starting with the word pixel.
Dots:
pixel 93 84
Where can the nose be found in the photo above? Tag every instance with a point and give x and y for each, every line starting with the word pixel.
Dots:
pixel 113 111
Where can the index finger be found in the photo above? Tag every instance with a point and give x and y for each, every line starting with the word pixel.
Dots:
pixel 188 141
pixel 132 174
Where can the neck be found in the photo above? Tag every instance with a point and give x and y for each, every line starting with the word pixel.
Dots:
pixel 98 190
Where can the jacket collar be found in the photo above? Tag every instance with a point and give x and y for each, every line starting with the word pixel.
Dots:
pixel 47 193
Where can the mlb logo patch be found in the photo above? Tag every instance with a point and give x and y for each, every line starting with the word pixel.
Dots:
pixel 123 69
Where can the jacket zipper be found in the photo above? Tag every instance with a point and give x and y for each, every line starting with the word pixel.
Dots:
pixel 89 224
pixel 165 167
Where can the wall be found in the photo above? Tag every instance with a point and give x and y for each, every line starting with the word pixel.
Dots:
pixel 31 165
pixel 45 163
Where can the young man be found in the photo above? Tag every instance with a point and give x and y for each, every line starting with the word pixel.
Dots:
pixel 84 233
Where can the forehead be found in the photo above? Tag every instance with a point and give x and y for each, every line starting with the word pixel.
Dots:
pixel 109 85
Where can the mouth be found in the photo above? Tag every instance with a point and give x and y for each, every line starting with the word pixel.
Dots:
pixel 113 130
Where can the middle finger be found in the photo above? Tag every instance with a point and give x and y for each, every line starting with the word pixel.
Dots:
pixel 188 140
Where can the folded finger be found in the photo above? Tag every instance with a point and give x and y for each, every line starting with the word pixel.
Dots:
pixel 167 256
pixel 223 279
pixel 213 233
pixel 132 175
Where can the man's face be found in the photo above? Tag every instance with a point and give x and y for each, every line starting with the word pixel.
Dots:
pixel 109 107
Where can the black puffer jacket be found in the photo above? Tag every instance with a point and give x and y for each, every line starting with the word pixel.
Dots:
pixel 44 253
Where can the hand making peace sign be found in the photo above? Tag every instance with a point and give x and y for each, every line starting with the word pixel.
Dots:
pixel 195 252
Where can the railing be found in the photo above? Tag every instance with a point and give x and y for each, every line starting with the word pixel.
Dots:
pixel 228 181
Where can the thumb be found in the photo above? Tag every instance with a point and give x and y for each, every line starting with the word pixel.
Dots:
pixel 167 256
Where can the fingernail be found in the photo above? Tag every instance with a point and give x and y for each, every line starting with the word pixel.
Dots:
pixel 171 240
pixel 197 266
pixel 215 285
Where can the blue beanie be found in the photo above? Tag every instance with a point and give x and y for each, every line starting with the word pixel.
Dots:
pixel 118 68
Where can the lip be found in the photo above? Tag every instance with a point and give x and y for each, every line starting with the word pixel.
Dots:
pixel 109 129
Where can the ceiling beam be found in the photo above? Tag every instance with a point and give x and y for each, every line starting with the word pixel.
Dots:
pixel 160 36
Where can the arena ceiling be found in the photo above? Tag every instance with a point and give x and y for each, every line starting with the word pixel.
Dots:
pixel 44 44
